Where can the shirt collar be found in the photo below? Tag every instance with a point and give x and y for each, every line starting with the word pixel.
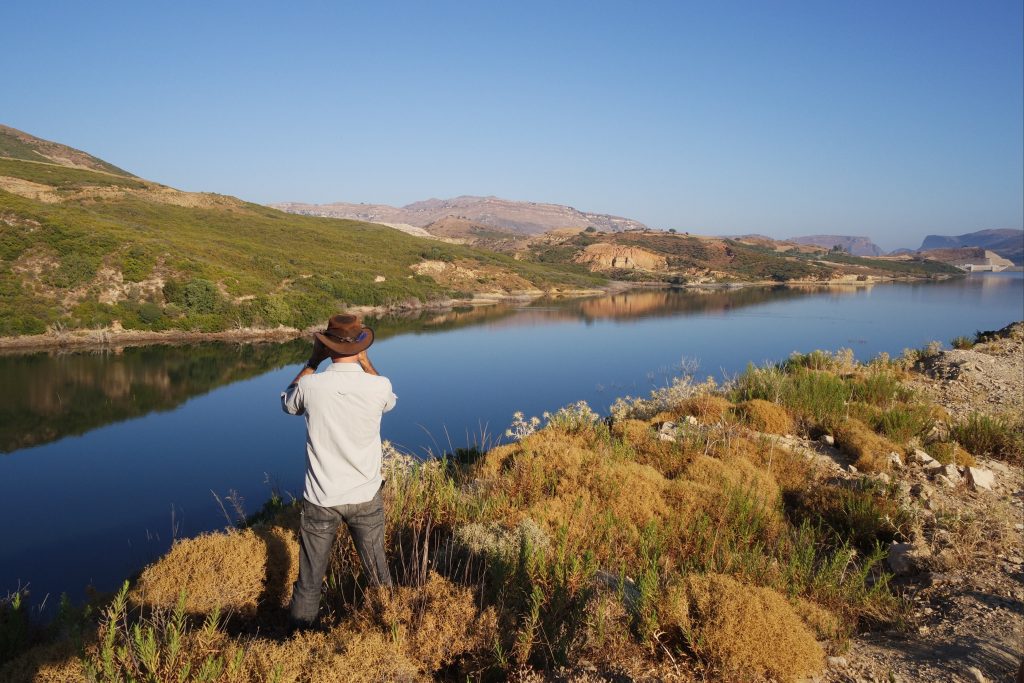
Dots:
pixel 345 367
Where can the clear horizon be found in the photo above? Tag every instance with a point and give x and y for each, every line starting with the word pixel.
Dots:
pixel 891 122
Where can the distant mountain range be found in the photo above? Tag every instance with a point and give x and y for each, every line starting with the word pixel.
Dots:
pixel 526 218
pixel 858 246
pixel 1007 243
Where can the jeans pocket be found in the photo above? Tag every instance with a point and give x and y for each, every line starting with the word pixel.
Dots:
pixel 316 518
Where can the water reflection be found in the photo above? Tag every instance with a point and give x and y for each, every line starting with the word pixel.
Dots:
pixel 56 394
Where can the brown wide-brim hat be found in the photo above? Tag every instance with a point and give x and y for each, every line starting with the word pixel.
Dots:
pixel 346 335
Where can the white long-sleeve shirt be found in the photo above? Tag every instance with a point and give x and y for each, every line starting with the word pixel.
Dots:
pixel 343 406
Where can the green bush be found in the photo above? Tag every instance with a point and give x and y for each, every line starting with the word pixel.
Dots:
pixel 999 437
pixel 903 422
pixel 962 343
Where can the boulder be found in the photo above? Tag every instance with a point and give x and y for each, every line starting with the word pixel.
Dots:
pixel 894 460
pixel 948 471
pixel 922 458
pixel 980 478
pixel 904 559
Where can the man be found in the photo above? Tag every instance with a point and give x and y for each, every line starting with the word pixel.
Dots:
pixel 343 407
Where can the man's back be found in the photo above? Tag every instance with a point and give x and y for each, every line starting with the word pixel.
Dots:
pixel 343 407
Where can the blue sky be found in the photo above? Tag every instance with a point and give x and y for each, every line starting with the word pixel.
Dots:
pixel 888 119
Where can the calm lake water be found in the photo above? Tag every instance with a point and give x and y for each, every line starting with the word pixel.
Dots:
pixel 105 457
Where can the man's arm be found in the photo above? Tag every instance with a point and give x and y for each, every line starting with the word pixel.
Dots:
pixel 291 397
pixel 365 364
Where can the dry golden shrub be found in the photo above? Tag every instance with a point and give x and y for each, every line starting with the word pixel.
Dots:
pixel 869 450
pixel 367 657
pixel 666 456
pixel 742 631
pixel 631 430
pixel 948 452
pixel 289 660
pixel 282 566
pixel 661 418
pixel 708 408
pixel 825 624
pixel 765 416
pixel 437 622
pixel 560 478
pixel 737 474
pixel 225 570
pixel 50 663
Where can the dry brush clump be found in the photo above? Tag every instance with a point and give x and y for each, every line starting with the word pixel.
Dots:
pixel 765 416
pixel 741 631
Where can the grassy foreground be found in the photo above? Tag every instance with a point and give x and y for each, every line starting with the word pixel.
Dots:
pixel 678 538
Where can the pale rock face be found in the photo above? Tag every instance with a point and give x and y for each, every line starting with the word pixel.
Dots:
pixel 922 458
pixel 980 478
pixel 607 256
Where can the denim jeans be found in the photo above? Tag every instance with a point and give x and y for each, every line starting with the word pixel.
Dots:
pixel 319 527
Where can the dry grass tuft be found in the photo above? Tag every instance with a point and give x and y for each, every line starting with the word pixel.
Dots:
pixel 742 631
pixel 948 452
pixel 825 624
pixel 436 623
pixel 765 416
pixel 869 450
pixel 708 408
pixel 227 570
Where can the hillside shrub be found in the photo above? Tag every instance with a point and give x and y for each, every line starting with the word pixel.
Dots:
pixel 870 451
pixel 997 436
pixel 742 631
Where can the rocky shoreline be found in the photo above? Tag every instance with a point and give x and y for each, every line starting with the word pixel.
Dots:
pixel 119 337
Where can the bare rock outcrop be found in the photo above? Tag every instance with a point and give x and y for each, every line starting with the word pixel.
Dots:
pixel 605 256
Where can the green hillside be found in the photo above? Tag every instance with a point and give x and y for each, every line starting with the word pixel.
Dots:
pixel 16 144
pixel 82 249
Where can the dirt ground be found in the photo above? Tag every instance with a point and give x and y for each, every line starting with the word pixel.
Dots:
pixel 965 584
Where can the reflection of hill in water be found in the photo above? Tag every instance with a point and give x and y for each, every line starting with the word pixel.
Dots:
pixel 51 396
pixel 668 302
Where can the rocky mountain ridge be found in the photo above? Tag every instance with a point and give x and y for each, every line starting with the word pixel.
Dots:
pixel 855 245
pixel 1006 242
pixel 502 214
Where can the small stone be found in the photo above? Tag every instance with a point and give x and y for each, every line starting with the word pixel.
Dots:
pixel 883 477
pixel 851 469
pixel 980 478
pixel 922 458
pixel 976 675
pixel 1018 526
pixel 828 440
pixel 948 471
pixel 895 461
pixel 379 278
pixel 922 491
pixel 837 662
pixel 1000 467
pixel 900 559
pixel 936 579
pixel 691 420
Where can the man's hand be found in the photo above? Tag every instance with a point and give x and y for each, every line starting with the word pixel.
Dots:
pixel 320 353
pixel 365 364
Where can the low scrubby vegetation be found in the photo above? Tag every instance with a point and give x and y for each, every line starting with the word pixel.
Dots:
pixel 680 535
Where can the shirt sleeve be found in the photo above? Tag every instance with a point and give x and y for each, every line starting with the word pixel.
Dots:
pixel 389 398
pixel 292 400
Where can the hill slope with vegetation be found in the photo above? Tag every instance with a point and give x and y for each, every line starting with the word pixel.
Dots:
pixel 684 258
pixel 83 249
